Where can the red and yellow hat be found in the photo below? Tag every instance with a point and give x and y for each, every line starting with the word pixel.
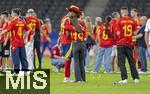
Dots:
pixel 74 8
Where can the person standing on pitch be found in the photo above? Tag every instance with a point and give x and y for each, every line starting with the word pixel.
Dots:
pixel 33 23
pixel 127 27
pixel 66 41
pixel 79 48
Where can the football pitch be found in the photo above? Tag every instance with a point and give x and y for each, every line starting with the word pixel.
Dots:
pixel 99 84
pixel 96 83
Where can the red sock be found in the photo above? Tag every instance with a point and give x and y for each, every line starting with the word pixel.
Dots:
pixel 67 68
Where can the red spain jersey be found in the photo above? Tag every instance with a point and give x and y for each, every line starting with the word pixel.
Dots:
pixel 45 29
pixel 114 28
pixel 4 26
pixel 17 28
pixel 66 29
pixel 80 36
pixel 33 23
pixel 127 26
pixel 106 40
pixel 56 50
pixel 138 23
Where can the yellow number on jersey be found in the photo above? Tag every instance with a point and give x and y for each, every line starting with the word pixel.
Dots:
pixel 127 30
pixel 105 37
pixel 32 26
pixel 20 32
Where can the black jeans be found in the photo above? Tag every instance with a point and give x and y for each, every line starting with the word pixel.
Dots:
pixel 123 52
pixel 79 53
pixel 37 48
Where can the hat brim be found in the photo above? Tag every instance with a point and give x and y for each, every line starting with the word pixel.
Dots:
pixel 68 9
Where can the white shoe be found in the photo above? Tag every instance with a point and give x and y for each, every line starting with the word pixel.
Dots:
pixel 56 70
pixel 122 82
pixel 66 80
pixel 136 81
pixel 105 72
pixel 141 72
pixel 93 72
pixel 21 73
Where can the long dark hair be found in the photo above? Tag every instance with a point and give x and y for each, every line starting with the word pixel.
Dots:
pixel 107 20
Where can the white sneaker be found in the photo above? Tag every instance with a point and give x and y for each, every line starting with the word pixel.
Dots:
pixel 122 82
pixel 93 72
pixel 21 73
pixel 136 81
pixel 105 72
pixel 141 72
pixel 66 80
pixel 56 70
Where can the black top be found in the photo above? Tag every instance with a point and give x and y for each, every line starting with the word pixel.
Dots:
pixel 141 41
pixel 37 36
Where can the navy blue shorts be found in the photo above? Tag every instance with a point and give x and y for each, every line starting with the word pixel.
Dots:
pixel 67 50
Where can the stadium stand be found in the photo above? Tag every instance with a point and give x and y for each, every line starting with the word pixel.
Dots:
pixel 44 8
pixel 141 5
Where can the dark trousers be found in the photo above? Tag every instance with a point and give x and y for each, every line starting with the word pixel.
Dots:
pixel 19 55
pixel 79 53
pixel 123 52
pixel 37 49
pixel 142 57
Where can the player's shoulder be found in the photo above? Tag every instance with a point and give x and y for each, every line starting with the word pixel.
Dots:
pixel 113 21
pixel 65 18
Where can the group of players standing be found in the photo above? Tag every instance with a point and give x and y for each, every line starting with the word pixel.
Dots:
pixel 118 32
pixel 20 35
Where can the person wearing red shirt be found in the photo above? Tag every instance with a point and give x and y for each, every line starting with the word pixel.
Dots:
pixel 127 27
pixel 66 41
pixel 114 26
pixel 46 29
pixel 57 58
pixel 33 23
pixel 1 24
pixel 17 28
pixel 105 46
pixel 5 41
pixel 136 17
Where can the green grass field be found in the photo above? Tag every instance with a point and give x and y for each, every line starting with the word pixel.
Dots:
pixel 98 84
